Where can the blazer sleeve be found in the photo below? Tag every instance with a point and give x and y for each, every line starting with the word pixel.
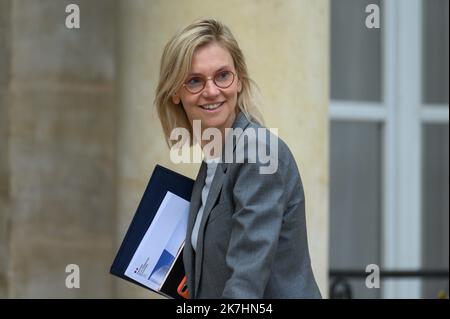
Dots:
pixel 260 203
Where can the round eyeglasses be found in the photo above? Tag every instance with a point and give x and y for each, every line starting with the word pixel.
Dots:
pixel 196 83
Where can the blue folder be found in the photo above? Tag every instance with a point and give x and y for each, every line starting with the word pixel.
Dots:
pixel 161 181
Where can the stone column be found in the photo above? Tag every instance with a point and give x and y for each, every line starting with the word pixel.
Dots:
pixel 61 148
pixel 5 60
pixel 286 47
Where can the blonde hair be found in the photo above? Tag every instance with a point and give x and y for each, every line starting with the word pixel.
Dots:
pixel 176 62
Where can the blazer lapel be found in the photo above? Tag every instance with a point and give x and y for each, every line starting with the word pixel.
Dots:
pixel 196 199
pixel 188 252
pixel 214 192
pixel 216 185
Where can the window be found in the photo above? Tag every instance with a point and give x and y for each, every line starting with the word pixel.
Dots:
pixel 389 145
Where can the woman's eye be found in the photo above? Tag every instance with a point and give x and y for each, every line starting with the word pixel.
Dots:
pixel 194 81
pixel 223 76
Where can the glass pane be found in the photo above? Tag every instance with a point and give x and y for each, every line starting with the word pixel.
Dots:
pixel 435 221
pixel 356 66
pixel 435 55
pixel 355 199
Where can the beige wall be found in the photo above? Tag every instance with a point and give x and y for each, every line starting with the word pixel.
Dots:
pixel 286 46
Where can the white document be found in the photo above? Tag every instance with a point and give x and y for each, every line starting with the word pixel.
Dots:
pixel 161 243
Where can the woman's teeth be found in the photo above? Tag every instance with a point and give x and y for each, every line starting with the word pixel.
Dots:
pixel 211 106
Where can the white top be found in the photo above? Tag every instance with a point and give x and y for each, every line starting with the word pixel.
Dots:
pixel 212 165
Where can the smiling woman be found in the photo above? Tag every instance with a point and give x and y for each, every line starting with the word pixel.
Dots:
pixel 194 56
pixel 212 102
pixel 246 234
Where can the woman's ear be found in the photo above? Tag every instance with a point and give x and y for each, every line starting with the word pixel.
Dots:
pixel 239 88
pixel 175 98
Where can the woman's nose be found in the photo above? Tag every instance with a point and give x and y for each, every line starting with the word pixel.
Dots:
pixel 210 89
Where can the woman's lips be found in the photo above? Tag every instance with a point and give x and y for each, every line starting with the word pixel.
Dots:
pixel 211 107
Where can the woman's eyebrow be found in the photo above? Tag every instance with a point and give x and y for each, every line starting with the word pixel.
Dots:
pixel 218 70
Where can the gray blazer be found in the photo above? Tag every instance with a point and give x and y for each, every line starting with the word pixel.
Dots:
pixel 252 239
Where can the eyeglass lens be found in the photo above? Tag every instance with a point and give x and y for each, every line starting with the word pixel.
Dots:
pixel 222 79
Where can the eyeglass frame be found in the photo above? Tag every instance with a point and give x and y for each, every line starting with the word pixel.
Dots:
pixel 207 78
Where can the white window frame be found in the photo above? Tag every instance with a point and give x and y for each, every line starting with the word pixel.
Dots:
pixel 402 114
